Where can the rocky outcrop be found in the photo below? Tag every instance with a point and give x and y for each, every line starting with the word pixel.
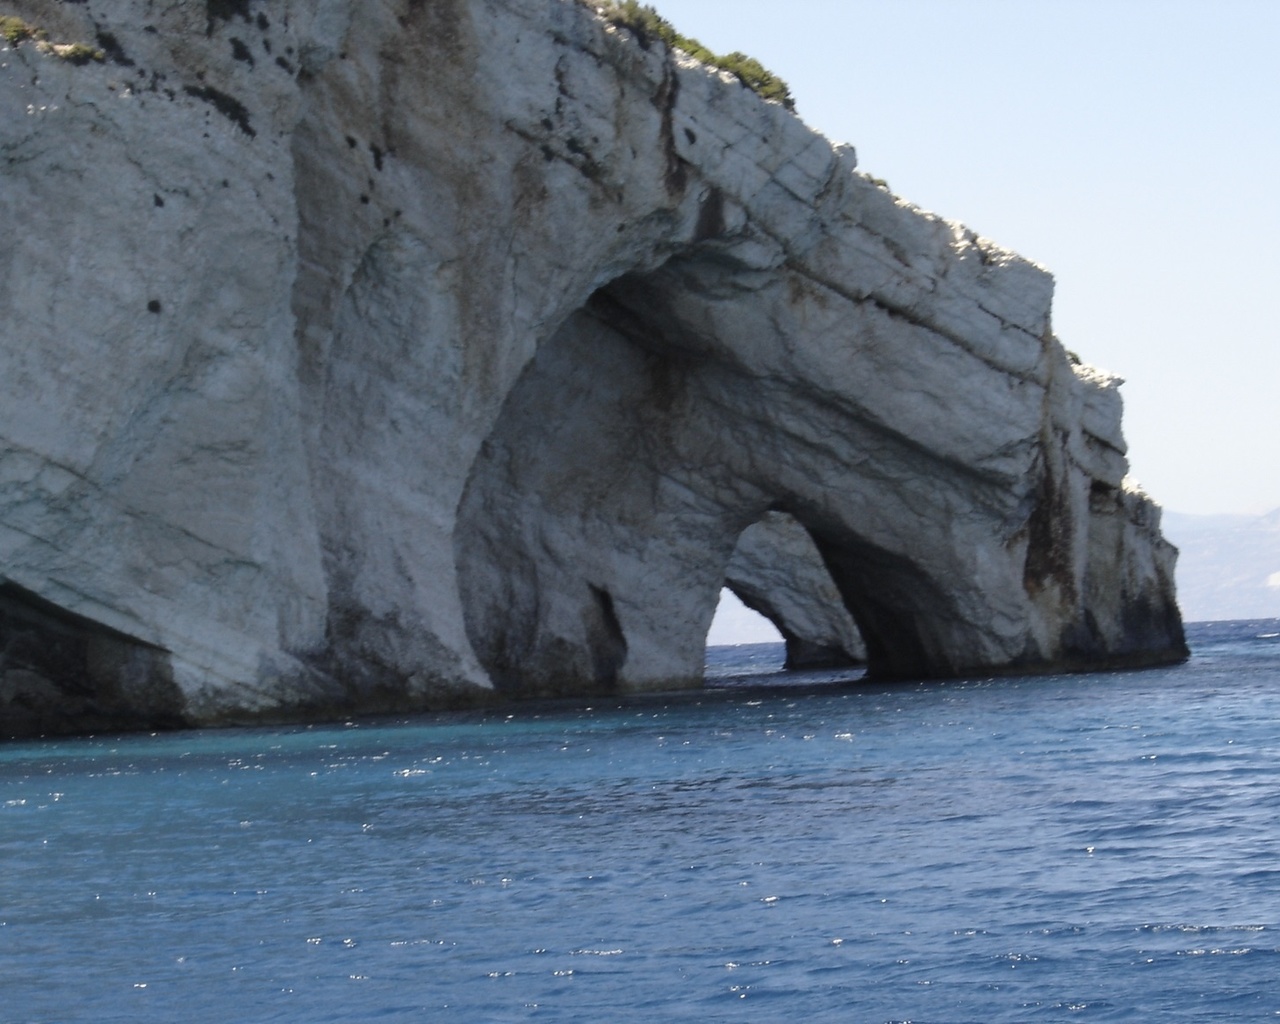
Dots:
pixel 380 356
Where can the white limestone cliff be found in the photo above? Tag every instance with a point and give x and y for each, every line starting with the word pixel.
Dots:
pixel 382 356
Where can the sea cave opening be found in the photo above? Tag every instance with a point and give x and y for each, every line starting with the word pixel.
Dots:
pixel 63 673
pixel 649 438
pixel 777 576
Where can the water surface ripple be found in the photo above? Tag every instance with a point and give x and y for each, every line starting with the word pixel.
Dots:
pixel 1085 848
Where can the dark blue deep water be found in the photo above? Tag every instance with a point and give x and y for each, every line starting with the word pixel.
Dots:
pixel 1083 848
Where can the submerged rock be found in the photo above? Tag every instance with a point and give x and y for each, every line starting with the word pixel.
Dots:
pixel 386 356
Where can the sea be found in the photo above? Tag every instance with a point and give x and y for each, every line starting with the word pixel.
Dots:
pixel 1092 847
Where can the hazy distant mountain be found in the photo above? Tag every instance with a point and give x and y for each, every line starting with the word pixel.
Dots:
pixel 1229 565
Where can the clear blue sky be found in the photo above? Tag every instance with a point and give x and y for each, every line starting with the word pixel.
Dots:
pixel 1130 146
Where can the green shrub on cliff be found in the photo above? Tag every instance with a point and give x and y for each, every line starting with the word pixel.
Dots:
pixel 756 76
pixel 15 30
pixel 647 25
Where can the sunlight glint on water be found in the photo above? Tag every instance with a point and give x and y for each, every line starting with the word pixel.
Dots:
pixel 1086 848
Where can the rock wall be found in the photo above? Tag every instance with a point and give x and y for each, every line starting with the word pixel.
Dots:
pixel 382 356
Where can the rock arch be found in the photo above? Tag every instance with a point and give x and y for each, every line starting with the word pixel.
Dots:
pixel 678 407
pixel 777 571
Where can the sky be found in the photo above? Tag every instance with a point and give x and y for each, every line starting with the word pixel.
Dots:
pixel 1132 147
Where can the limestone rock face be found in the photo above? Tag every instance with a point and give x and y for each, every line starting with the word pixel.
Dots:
pixel 381 356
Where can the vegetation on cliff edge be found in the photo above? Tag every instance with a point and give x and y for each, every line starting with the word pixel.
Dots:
pixel 14 31
pixel 647 25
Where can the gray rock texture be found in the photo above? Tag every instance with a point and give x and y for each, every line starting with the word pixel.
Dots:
pixel 393 355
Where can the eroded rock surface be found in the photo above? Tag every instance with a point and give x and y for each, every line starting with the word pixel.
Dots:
pixel 381 356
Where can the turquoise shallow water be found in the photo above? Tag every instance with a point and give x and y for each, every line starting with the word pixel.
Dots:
pixel 1084 848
